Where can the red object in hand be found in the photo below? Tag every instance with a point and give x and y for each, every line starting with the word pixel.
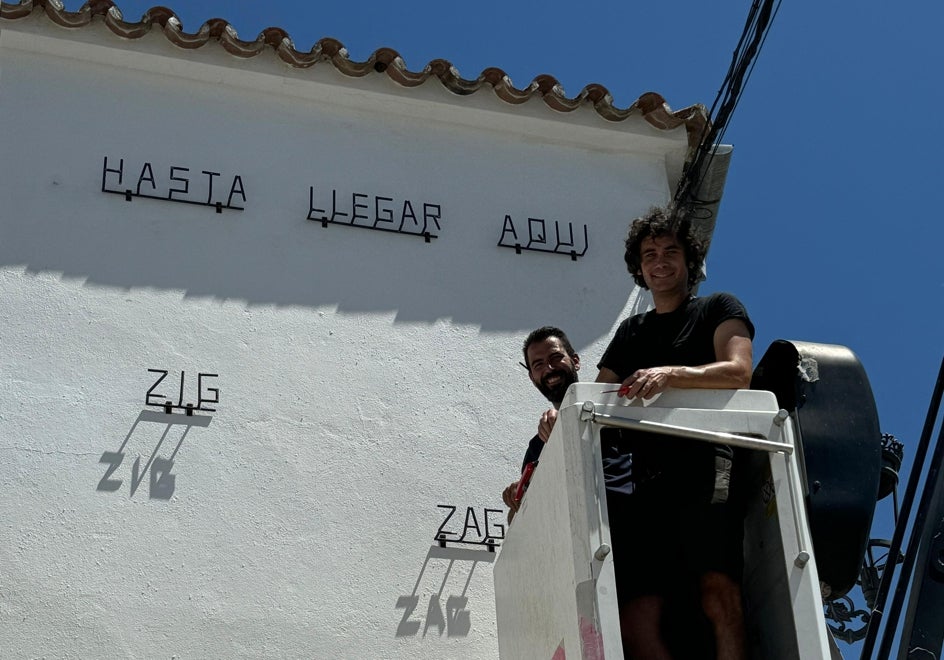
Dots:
pixel 622 391
pixel 525 480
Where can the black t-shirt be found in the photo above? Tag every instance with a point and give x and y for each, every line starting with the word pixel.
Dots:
pixel 684 337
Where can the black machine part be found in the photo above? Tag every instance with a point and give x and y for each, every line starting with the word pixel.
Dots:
pixel 839 442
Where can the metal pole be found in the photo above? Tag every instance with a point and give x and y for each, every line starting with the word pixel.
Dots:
pixel 715 437
pixel 918 534
pixel 875 619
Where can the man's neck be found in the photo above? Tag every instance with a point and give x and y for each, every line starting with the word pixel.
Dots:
pixel 669 301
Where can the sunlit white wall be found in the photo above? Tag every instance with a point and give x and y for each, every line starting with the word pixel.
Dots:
pixel 364 378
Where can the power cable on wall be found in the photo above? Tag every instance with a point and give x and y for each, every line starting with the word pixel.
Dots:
pixel 757 26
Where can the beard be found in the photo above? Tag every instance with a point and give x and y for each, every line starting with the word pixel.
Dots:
pixel 555 393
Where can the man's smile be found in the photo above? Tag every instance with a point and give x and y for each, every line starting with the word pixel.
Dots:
pixel 553 379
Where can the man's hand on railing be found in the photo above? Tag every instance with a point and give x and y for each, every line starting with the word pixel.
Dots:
pixel 546 425
pixel 508 497
pixel 647 382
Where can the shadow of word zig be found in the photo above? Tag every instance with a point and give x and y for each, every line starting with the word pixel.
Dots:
pixel 155 439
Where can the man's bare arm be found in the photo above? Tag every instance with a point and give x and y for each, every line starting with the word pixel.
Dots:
pixel 732 369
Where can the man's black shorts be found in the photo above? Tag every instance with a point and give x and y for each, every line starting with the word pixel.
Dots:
pixel 660 539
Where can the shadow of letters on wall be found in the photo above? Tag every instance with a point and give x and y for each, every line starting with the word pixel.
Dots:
pixel 162 481
pixel 169 424
pixel 455 620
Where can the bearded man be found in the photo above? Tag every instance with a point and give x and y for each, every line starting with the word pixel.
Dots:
pixel 552 366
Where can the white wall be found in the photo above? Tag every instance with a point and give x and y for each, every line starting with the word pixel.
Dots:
pixel 364 377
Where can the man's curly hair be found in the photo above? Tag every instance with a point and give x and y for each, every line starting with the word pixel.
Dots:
pixel 664 222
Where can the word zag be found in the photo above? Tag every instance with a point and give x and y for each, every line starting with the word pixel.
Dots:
pixel 481 537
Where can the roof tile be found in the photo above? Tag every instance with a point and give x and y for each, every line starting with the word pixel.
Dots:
pixel 650 105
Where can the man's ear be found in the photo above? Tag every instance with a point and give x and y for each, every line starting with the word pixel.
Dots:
pixel 576 360
pixel 536 383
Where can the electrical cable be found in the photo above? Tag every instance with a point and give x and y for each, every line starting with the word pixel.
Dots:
pixel 753 36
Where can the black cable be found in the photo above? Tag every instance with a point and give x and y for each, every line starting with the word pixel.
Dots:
pixel 716 112
pixel 743 59
pixel 724 128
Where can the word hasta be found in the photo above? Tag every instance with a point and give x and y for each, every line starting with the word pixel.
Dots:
pixel 175 187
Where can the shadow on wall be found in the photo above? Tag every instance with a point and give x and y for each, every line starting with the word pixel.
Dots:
pixel 162 482
pixel 462 275
pixel 456 620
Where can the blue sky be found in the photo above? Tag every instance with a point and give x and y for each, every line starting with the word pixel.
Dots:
pixel 829 229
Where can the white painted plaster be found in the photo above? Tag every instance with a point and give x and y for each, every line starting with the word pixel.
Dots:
pixel 364 377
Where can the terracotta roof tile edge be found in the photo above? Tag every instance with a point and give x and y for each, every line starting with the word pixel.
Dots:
pixel 650 105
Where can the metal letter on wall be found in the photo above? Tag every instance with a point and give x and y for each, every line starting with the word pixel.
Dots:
pixel 377 212
pixel 483 531
pixel 181 185
pixel 162 482
pixel 539 241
